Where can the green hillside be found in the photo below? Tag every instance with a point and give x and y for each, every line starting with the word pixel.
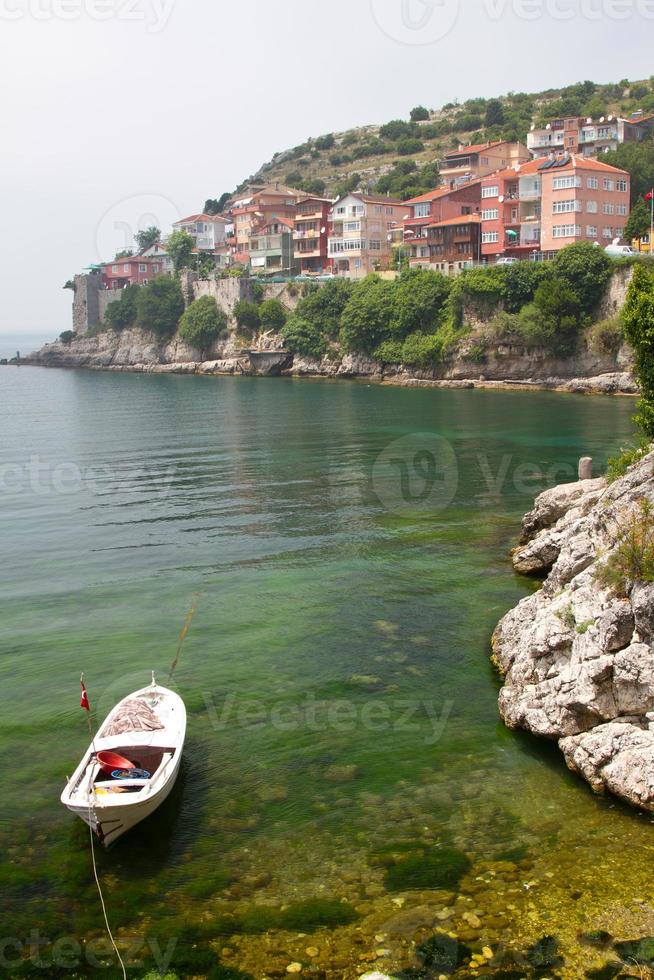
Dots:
pixel 401 156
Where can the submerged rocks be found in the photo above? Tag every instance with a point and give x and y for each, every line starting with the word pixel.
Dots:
pixel 578 660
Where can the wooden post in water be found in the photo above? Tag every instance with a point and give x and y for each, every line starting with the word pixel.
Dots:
pixel 586 468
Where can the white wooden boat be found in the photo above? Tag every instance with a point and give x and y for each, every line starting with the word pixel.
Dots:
pixel 147 729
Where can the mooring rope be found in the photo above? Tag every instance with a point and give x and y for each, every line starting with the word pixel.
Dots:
pixel 97 881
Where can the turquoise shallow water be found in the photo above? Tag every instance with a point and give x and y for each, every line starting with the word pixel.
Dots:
pixel 347 547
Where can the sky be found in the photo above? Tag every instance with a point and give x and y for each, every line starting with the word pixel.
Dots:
pixel 117 114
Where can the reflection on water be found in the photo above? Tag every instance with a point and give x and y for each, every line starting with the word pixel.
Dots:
pixel 348 791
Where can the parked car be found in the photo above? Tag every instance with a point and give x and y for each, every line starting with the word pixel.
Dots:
pixel 507 260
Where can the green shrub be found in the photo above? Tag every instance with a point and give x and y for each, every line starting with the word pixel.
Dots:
pixel 67 336
pixel 419 301
pixel 389 352
pixel 638 317
pixel 606 336
pixel 633 559
pixel 422 350
pixel 159 306
pixel 202 323
pixel 587 270
pixel 272 314
pixel 366 317
pixel 407 147
pixel 121 313
pixel 521 282
pixel 618 465
pixel 304 337
pixel 247 316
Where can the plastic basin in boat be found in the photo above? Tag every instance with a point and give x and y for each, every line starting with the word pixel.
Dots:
pixel 111 760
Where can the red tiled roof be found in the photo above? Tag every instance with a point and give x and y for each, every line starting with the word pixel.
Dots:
pixel 441 192
pixel 475 148
pixel 461 219
pixel 201 217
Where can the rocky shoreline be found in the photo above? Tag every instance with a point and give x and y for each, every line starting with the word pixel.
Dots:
pixel 505 367
pixel 577 659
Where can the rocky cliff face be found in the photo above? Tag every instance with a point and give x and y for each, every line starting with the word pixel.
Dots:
pixel 578 660
pixel 504 363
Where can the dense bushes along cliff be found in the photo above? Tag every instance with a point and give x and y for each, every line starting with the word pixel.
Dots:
pixel 416 320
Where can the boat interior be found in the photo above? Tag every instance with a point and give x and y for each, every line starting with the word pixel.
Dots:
pixel 146 759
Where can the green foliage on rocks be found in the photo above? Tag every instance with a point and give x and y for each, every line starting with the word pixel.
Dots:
pixel 247 315
pixel 587 270
pixel 638 316
pixel 180 247
pixel 159 306
pixel 632 560
pixel 203 322
pixel 121 313
pixel 272 314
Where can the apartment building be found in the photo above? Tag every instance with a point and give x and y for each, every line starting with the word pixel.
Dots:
pixel 133 270
pixel 448 246
pixel 500 214
pixel 208 231
pixel 581 199
pixel 544 205
pixel 270 249
pixel 256 208
pixel 311 235
pixel 440 204
pixel 470 162
pixel 587 137
pixel 361 230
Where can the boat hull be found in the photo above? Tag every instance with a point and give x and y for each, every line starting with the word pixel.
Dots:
pixel 111 822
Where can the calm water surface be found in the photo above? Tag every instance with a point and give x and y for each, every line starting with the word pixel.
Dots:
pixel 341 703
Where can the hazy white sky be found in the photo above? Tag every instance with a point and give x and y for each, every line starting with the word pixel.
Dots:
pixel 117 110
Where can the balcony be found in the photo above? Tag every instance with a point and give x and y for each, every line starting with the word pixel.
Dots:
pixel 310 215
pixel 301 235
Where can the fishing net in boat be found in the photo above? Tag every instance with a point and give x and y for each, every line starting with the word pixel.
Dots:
pixel 134 716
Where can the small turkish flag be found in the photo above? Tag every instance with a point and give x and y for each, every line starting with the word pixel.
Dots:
pixel 84 699
pixel 649 195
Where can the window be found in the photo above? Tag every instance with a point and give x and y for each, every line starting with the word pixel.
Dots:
pixel 563 207
pixel 490 214
pixel 389 210
pixel 375 245
pixel 621 209
pixel 622 186
pixel 609 209
pixel 492 191
pixel 115 268
pixel 591 231
pixel 566 231
pixel 593 183
pixel 564 183
pixel 484 161
pixel 352 226
pixel 490 237
pixel 143 267
pixel 155 267
pixel 422 210
pixel 126 268
pixel 609 185
pixel 607 232
pixel 340 210
pixel 591 207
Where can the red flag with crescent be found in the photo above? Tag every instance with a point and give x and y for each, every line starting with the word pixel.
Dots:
pixel 84 699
